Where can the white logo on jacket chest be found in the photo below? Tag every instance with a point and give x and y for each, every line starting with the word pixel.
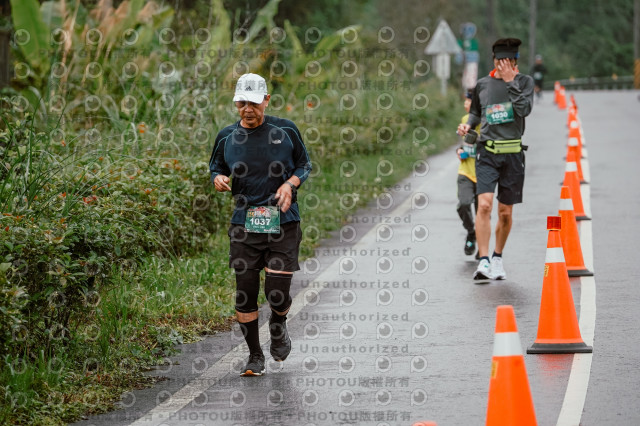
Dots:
pixel 276 141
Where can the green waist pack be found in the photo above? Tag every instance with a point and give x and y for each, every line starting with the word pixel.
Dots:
pixel 504 147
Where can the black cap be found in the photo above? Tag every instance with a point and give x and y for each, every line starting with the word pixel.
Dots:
pixel 506 48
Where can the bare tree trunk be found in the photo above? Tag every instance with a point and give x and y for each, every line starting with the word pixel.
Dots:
pixel 533 20
pixel 5 34
pixel 5 65
pixel 636 44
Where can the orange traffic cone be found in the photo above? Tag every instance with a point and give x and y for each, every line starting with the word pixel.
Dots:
pixel 573 114
pixel 575 151
pixel 558 330
pixel 556 92
pixel 575 131
pixel 570 238
pixel 562 100
pixel 573 182
pixel 510 401
pixel 573 109
pixel 575 142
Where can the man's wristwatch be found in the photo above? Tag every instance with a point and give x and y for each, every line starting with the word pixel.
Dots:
pixel 293 187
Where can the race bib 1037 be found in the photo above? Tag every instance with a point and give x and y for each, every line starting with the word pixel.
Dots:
pixel 263 220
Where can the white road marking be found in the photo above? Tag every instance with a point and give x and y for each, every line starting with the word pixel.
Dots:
pixel 584 163
pixel 576 393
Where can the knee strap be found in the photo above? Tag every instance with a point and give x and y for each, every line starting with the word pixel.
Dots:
pixel 276 288
pixel 247 289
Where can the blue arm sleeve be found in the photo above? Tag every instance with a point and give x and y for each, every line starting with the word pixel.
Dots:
pixel 217 164
pixel 300 155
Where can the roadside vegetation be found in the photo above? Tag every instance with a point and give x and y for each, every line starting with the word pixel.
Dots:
pixel 113 243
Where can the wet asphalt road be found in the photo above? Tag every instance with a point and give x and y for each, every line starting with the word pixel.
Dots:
pixel 389 327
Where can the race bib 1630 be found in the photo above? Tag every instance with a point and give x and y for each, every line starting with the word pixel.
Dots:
pixel 499 113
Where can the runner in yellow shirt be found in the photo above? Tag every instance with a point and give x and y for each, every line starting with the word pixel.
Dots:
pixel 467 183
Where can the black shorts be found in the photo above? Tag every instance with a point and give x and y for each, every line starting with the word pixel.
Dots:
pixel 278 252
pixel 504 170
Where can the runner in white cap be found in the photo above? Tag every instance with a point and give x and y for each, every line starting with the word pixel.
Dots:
pixel 265 160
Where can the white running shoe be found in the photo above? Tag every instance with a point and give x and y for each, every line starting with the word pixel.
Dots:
pixel 484 270
pixel 497 269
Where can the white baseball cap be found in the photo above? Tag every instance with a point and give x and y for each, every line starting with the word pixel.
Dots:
pixel 250 87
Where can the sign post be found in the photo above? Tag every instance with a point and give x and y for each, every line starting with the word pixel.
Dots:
pixel 442 45
pixel 471 56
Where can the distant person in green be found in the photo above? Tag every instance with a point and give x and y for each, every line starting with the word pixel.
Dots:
pixel 467 183
pixel 500 103
pixel 537 72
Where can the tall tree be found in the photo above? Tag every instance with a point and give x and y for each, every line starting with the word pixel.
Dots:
pixel 5 36
pixel 533 22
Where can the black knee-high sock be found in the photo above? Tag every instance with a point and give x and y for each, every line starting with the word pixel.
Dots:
pixel 251 335
pixel 276 317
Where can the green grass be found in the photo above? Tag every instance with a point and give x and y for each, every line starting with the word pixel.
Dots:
pixel 138 320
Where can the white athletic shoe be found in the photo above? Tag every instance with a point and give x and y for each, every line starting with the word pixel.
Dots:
pixel 497 269
pixel 484 270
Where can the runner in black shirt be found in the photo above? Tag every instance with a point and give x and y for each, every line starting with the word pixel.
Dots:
pixel 268 162
pixel 500 103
